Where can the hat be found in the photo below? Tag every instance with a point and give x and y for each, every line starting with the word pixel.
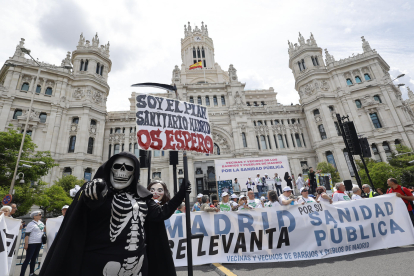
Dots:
pixel 224 194
pixel 286 189
pixel 65 207
pixel 241 196
pixel 249 177
pixel 303 189
pixel 199 195
pixel 35 213
pixel 262 198
pixel 266 174
pixel 234 196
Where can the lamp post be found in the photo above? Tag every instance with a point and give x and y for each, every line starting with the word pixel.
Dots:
pixel 67 66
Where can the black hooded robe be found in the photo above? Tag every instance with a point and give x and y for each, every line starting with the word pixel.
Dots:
pixel 82 244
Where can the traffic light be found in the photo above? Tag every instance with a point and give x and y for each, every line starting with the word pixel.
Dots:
pixel 351 137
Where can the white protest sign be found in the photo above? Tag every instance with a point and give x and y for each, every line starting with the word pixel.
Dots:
pixel 168 124
pixel 9 228
pixel 52 228
pixel 294 232
pixel 243 168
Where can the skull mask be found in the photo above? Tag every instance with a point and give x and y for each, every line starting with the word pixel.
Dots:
pixel 122 173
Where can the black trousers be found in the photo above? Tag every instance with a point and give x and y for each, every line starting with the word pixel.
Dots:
pixel 31 255
pixel 279 190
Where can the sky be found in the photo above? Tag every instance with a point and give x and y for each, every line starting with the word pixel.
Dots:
pixel 145 36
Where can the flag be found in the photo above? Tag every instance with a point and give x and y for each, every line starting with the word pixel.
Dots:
pixel 196 65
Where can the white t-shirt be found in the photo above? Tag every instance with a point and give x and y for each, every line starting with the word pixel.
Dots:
pixel 225 207
pixel 233 203
pixel 258 181
pixel 272 204
pixel 36 231
pixel 282 197
pixel 340 197
pixel 356 197
pixel 300 183
pixel 254 203
pixel 306 200
pixel 323 200
pixel 249 184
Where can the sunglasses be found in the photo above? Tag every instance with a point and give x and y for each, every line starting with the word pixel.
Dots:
pixel 127 167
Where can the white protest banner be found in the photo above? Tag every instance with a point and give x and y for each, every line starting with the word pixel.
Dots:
pixel 9 228
pixel 168 124
pixel 294 232
pixel 243 168
pixel 52 228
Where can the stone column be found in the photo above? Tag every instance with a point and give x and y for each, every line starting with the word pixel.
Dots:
pixel 382 153
pixel 4 114
pixel 392 146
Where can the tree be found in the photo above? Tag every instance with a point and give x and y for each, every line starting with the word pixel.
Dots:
pixel 51 199
pixel 326 167
pixel 9 149
pixel 68 182
pixel 379 173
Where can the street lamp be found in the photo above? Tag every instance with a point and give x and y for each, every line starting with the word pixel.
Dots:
pixel 399 76
pixel 66 66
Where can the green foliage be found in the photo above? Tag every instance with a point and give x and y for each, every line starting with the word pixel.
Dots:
pixel 326 167
pixel 10 141
pixel 68 182
pixel 51 199
pixel 379 173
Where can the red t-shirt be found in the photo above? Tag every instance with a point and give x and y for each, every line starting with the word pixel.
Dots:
pixel 406 192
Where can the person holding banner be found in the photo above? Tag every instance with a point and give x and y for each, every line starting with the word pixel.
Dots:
pixel 225 205
pixel 305 196
pixel 33 242
pixel 234 202
pixel 180 209
pixel 322 196
pixel 159 191
pixel 340 194
pixel 197 205
pixel 404 194
pixel 205 206
pixel 6 210
pixel 243 203
pixel 252 201
pixel 356 193
pixel 273 199
pixel 285 199
pixel 64 209
pixel 259 183
pixel 278 183
pixel 249 184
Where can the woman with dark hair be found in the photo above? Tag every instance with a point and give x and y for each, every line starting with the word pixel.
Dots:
pixel 159 190
pixel 288 180
pixel 273 199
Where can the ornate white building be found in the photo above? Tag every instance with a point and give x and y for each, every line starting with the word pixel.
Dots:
pixel 70 117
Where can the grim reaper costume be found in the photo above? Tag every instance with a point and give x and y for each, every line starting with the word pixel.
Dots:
pixel 106 229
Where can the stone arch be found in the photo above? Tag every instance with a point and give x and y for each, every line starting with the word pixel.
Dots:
pixel 222 139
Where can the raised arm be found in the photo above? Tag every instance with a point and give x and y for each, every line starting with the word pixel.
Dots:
pixel 95 193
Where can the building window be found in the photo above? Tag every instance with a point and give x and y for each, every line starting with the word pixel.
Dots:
pixel 287 142
pixel 293 141
pixel 25 87
pixel 276 122
pixel 194 53
pixel 268 141
pixel 322 132
pixel 116 149
pixel 86 65
pixel 97 68
pixel 72 142
pixel 259 123
pixel 255 104
pixel 90 145
pixel 315 61
pixel 191 99
pixel 377 98
pixel 338 131
pixel 397 142
pixel 330 158
pixel 130 130
pixel 316 112
pixel 377 156
pixel 42 117
pixel 375 120
pixel 102 68
pixel 136 150
pixel 358 79
pixel 387 149
pixel 258 142
pixel 38 89
pixel 215 101
pixel 248 103
pixel 17 113
pixel 349 82
pixel 28 132
pixel 110 131
pixel 274 138
pixel 130 147
pixel 123 130
pixel 117 130
pixel 81 65
pixel 67 171
pixel 223 101
pixel 331 108
pixel 109 153
pixel 199 100
pixel 298 142
pixel 303 64
pixel 300 66
pixel 244 140
pixel 207 101
pixel 157 153
pixel 367 77
pixel 93 122
pixel 281 142
pixel 87 175
pixel 49 91
pixel 216 149
pixel 156 175
pixel 263 142
pixel 358 103
pixel 262 103
pixel 303 138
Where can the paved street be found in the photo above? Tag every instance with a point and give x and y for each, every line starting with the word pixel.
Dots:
pixel 394 261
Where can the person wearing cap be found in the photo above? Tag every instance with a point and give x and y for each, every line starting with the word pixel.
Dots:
pixel 33 242
pixel 284 199
pixel 243 203
pixel 265 184
pixel 6 210
pixel 64 209
pixel 225 205
pixel 236 186
pixel 197 205
pixel 253 202
pixel 305 198
pixel 234 202
pixel 249 184
pixel 259 183
pixel 278 184
pixel 273 199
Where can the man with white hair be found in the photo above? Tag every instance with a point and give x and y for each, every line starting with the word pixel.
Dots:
pixel 356 193
pixel 197 205
pixel 340 194
pixel 367 192
pixel 6 210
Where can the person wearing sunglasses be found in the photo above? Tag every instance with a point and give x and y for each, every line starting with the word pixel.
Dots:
pixel 33 242
pixel 305 196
